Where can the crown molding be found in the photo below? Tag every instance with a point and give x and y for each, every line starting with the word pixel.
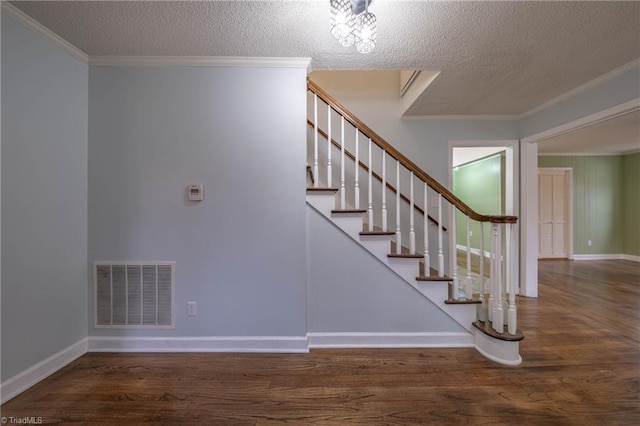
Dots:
pixel 478 117
pixel 587 154
pixel 150 61
pixel 24 19
pixel 200 61
pixel 583 87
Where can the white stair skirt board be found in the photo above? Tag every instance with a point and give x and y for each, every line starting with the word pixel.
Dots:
pixel 407 269
pixel 264 344
pixel 19 383
pixel 500 351
pixel 390 340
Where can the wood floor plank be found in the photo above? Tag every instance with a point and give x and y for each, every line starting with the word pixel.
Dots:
pixel 581 366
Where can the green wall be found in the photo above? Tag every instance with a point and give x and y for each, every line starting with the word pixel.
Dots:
pixel 631 203
pixel 480 184
pixel 597 202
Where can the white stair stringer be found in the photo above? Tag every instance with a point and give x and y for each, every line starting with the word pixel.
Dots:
pixel 379 245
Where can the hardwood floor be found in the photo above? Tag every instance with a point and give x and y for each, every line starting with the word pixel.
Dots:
pixel 581 367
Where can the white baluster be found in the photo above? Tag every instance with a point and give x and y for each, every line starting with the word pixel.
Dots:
pixel 398 232
pixel 384 191
pixel 370 191
pixel 512 316
pixel 412 231
pixel 492 271
pixel 315 141
pixel 483 302
pixel 343 194
pixel 440 237
pixel 427 260
pixel 356 174
pixel 329 171
pixel 453 253
pixel 498 314
pixel 469 280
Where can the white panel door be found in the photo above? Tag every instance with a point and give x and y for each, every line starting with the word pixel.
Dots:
pixel 553 214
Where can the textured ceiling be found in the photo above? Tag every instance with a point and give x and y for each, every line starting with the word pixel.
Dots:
pixel 495 57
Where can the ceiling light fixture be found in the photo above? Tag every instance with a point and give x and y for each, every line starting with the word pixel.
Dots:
pixel 351 22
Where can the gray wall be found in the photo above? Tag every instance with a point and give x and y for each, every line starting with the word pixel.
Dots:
pixel 352 291
pixel 240 253
pixel 622 88
pixel 44 199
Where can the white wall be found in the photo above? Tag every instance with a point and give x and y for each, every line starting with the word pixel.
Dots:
pixel 240 253
pixel 350 291
pixel 44 199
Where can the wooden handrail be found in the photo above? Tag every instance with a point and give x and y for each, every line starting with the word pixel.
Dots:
pixel 408 164
pixel 374 174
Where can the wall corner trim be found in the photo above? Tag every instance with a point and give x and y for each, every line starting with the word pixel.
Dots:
pixel 262 344
pixel 200 61
pixel 38 372
pixel 24 19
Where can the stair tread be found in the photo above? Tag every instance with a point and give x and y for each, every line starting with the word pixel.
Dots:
pixel 406 255
pixel 349 211
pixel 433 278
pixel 486 328
pixel 377 233
pixel 462 302
pixel 318 189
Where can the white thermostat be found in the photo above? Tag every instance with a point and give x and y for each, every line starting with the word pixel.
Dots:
pixel 195 192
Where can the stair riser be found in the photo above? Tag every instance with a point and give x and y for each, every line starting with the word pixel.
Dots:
pixel 378 247
pixel 351 223
pixel 321 202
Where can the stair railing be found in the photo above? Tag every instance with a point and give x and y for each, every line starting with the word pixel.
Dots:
pixel 497 308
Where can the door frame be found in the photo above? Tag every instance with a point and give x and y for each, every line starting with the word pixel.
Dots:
pixel 569 173
pixel 511 190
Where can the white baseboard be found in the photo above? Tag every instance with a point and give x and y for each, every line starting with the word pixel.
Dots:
pixel 29 377
pixel 272 344
pixel 606 257
pixel 391 340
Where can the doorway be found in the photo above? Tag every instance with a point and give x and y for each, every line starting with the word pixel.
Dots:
pixel 555 216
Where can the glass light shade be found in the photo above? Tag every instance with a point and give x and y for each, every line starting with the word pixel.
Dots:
pixel 366 32
pixel 347 41
pixel 342 19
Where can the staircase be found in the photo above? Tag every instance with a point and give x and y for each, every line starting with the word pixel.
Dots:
pixel 365 200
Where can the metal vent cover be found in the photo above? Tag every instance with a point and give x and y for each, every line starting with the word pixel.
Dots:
pixel 134 294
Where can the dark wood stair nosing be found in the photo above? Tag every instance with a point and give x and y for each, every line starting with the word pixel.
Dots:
pixel 434 278
pixel 377 233
pixel 463 302
pixel 486 328
pixel 405 256
pixel 319 189
pixel 349 211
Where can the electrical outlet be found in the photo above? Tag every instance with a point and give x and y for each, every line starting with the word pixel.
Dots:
pixel 192 309
pixel 589 243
